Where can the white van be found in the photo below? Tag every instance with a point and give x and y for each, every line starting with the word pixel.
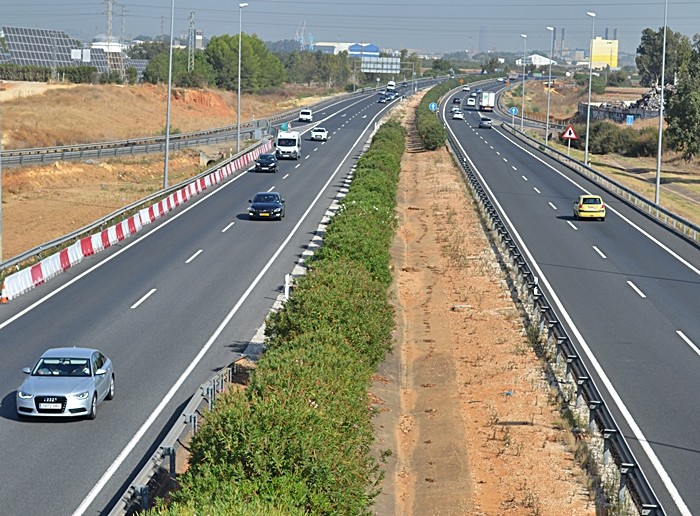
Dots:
pixel 288 145
pixel 391 86
pixel 306 115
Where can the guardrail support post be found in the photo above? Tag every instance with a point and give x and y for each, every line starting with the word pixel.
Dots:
pixel 579 390
pixel 171 453
pixel 142 493
pixel 592 407
pixel 287 282
pixel 607 435
pixel 192 420
pixel 624 469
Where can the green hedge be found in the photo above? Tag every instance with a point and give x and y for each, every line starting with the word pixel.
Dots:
pixel 298 439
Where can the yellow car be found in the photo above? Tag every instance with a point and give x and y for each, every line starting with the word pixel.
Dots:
pixel 589 206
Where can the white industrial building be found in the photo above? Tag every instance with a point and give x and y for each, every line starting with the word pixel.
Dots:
pixel 536 60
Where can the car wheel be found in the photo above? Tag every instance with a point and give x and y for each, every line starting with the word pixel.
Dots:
pixel 93 408
pixel 110 392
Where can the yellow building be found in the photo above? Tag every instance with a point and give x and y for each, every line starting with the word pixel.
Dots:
pixel 604 53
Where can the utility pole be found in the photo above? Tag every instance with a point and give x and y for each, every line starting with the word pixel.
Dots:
pixel 190 44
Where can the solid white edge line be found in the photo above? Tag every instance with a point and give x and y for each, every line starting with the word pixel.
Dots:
pixel 85 504
pixel 595 248
pixel 145 296
pixel 656 463
pixel 688 341
pixel 636 289
pixel 227 227
pixel 194 256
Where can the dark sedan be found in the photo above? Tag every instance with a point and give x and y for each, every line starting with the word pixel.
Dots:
pixel 266 163
pixel 266 205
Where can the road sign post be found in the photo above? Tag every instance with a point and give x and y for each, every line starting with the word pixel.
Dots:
pixel 569 134
pixel 513 111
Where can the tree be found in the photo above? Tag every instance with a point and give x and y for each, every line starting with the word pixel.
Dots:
pixel 648 60
pixel 441 66
pixel 490 65
pixel 683 107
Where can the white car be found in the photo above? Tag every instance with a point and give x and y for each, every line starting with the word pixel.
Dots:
pixel 457 115
pixel 319 134
pixel 471 101
pixel 465 88
pixel 454 109
pixel 306 115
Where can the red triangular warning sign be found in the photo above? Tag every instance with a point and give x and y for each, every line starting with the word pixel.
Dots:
pixel 569 134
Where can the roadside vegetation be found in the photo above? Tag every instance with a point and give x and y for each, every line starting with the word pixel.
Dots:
pixel 298 439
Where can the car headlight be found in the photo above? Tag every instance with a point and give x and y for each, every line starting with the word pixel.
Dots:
pixel 24 395
pixel 277 210
pixel 81 395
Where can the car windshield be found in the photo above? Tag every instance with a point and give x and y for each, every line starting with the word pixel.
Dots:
pixel 592 200
pixel 266 197
pixel 319 130
pixel 62 367
pixel 266 157
pixel 286 142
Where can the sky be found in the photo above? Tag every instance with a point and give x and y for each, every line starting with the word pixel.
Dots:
pixel 431 27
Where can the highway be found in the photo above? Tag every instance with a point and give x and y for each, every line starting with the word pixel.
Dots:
pixel 627 289
pixel 169 306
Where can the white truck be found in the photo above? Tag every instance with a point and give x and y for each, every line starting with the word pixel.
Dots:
pixel 391 86
pixel 306 115
pixel 487 101
pixel 288 145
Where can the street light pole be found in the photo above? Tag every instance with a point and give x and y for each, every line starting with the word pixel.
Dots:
pixel 170 86
pixel 522 110
pixel 549 87
pixel 661 111
pixel 590 81
pixel 238 116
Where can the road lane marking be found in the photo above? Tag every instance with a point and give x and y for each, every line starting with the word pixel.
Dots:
pixel 607 383
pixel 513 166
pixel 272 188
pixel 307 156
pixel 227 227
pixel 504 159
pixel 498 153
pixel 491 147
pixel 595 248
pixel 90 498
pixel 535 189
pixel 194 256
pixel 285 176
pixel 552 205
pixel 688 341
pixel 137 303
pixel 572 225
pixel 641 294
pixel 298 165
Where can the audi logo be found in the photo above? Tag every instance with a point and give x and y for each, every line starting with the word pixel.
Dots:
pixel 50 400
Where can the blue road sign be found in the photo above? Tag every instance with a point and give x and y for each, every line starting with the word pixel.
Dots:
pixel 630 119
pixel 513 111
pixel 432 106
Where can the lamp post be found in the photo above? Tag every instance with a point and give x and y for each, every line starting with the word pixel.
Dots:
pixel 522 108
pixel 661 111
pixel 170 85
pixel 549 87
pixel 238 107
pixel 590 81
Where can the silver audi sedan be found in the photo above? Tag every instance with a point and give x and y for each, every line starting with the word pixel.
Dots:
pixel 66 382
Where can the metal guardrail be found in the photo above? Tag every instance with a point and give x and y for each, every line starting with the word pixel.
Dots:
pixel 553 122
pixel 669 219
pixel 151 144
pixel 615 461
pixel 118 215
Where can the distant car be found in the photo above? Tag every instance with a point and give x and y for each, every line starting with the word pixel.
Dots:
pixel 465 88
pixel 472 94
pixel 471 102
pixel 382 92
pixel 500 79
pixel 266 205
pixel 485 123
pixel 589 206
pixel 404 84
pixel 456 100
pixel 266 163
pixel 454 108
pixel 319 134
pixel 457 115
pixel 478 90
pixel 66 382
pixel 382 99
pixel 306 115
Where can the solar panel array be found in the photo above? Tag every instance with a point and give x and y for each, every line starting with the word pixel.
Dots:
pixel 49 48
pixel 39 47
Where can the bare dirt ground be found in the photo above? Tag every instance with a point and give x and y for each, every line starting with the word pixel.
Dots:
pixel 41 203
pixel 462 401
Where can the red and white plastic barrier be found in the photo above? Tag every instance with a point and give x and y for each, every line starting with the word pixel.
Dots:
pixel 26 279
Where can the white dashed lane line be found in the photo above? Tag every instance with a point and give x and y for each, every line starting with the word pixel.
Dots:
pixel 193 256
pixel 298 165
pixel 524 177
pixel 572 225
pixel 272 188
pixel 688 341
pixel 137 303
pixel 535 189
pixel 636 289
pixel 552 205
pixel 285 176
pixel 227 227
pixel 599 252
